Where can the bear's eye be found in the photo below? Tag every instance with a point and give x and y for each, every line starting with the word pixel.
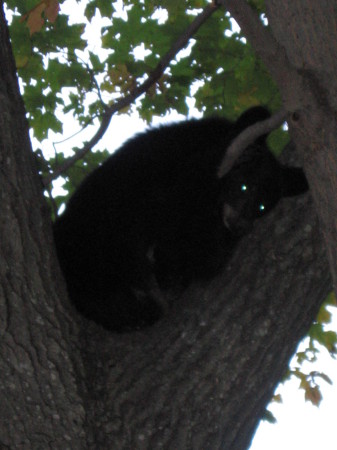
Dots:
pixel 244 187
pixel 261 207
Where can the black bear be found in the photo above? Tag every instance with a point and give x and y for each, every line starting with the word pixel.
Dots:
pixel 155 213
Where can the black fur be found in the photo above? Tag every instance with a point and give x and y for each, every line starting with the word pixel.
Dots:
pixel 156 210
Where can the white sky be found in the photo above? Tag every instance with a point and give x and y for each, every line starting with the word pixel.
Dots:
pixel 300 425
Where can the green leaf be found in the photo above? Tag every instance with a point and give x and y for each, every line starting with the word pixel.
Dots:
pixel 268 416
pixel 43 122
pixel 106 9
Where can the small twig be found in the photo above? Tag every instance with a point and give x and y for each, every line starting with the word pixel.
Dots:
pixel 138 90
pixel 247 137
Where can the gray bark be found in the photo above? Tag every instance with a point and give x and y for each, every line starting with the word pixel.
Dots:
pixel 40 404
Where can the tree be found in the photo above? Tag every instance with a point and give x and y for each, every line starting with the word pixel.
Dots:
pixel 202 376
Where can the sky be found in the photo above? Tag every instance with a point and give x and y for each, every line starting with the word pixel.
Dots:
pixel 299 424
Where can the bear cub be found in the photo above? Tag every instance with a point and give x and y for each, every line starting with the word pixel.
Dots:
pixel 155 213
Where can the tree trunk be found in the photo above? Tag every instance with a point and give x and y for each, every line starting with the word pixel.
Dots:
pixel 311 46
pixel 201 377
pixel 40 403
pixel 299 49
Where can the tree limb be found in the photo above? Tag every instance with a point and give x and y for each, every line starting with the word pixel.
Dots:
pixel 258 35
pixel 138 90
pixel 269 50
pixel 247 137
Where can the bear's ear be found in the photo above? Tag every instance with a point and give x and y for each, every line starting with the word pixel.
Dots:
pixel 251 116
pixel 293 181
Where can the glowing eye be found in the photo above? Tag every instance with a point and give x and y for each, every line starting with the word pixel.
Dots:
pixel 261 207
pixel 243 187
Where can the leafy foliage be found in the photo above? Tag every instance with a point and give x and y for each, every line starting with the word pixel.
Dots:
pixel 62 72
pixel 52 55
pixel 320 337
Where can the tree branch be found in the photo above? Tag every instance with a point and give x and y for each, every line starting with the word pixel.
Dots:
pixel 247 137
pixel 259 36
pixel 269 50
pixel 138 90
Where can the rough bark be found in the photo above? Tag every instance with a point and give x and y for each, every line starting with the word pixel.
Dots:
pixel 299 50
pixel 201 377
pixel 40 406
pixel 310 47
